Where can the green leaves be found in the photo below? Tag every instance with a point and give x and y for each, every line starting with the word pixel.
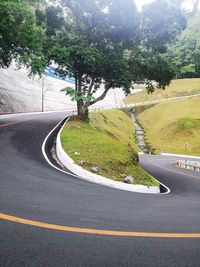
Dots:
pixel 105 41
pixel 185 53
pixel 21 39
pixel 109 41
pixel 161 21
pixel 68 91
pixel 74 53
pixel 76 96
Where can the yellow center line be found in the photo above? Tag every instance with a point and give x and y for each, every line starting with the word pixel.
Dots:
pixel 95 231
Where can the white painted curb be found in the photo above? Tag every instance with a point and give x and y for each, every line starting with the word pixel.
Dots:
pixel 94 178
pixel 179 155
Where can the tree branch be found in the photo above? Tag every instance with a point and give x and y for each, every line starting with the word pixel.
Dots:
pixel 90 87
pixel 101 97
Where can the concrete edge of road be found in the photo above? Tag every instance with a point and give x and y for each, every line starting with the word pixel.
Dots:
pixel 179 155
pixel 94 178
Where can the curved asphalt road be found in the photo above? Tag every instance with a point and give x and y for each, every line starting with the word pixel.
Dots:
pixel 32 189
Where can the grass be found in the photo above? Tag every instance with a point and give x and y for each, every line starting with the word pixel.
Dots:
pixel 107 142
pixel 181 87
pixel 116 124
pixel 168 126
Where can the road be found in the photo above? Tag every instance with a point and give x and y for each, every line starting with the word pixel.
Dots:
pixel 31 189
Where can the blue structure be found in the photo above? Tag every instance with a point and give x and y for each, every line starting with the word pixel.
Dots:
pixel 51 71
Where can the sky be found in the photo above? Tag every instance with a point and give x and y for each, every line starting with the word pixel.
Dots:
pixel 186 5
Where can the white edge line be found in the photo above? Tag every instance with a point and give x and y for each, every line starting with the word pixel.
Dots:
pixel 167 188
pixel 45 155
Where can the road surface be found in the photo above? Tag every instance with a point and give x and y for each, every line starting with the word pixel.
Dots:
pixel 31 189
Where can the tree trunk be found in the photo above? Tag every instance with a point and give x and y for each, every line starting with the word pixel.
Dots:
pixel 82 107
pixel 83 111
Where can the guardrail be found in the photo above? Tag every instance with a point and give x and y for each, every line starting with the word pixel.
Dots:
pixel 72 107
pixel 189 165
pixel 101 107
pixel 161 100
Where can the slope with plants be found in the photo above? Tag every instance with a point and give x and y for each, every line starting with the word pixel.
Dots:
pixel 168 126
pixel 180 87
pixel 185 52
pixel 107 143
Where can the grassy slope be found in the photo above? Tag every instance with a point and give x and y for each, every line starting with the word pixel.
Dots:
pixel 180 87
pixel 107 142
pixel 169 125
pixel 116 124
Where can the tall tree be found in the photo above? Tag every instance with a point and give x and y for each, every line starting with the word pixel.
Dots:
pixel 103 41
pixel 109 41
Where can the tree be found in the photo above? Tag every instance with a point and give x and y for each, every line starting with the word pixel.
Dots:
pixel 20 38
pixel 109 41
pixel 103 41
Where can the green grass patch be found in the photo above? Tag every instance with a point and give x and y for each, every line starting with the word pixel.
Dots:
pixel 187 123
pixel 168 126
pixel 115 123
pixel 180 87
pixel 107 142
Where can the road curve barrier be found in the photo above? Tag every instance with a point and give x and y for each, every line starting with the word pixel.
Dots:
pixel 189 165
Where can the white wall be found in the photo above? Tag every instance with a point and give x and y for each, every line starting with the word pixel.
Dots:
pixel 18 93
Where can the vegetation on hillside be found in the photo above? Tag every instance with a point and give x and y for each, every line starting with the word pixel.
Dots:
pixel 116 124
pixel 168 126
pixel 108 143
pixel 185 53
pixel 180 87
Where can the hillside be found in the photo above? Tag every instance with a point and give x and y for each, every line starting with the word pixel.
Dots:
pixel 169 126
pixel 180 87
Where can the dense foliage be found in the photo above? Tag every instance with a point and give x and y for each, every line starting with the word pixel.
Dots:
pixel 20 38
pixel 185 53
pixel 96 42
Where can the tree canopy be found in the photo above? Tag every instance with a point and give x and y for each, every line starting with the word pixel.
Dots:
pixel 104 41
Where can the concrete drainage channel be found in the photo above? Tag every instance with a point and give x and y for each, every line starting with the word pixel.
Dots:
pixel 139 134
pixel 57 158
